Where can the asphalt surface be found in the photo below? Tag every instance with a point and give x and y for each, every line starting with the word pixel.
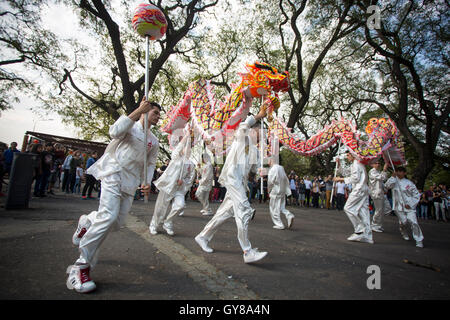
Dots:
pixel 310 261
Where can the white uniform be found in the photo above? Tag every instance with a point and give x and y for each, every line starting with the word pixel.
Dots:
pixel 205 185
pixel 120 170
pixel 357 205
pixel 404 192
pixel 278 184
pixel 234 177
pixel 376 191
pixel 179 168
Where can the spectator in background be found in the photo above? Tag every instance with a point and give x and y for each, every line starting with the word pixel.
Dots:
pixel 328 190
pixel 308 186
pixel 90 180
pixel 301 192
pixel 66 169
pixel 265 193
pixel 340 195
pixel 47 159
pixel 293 186
pixel 8 155
pixel 444 197
pixel 78 176
pixel 423 205
pixel 37 149
pixel 60 155
pixel 322 189
pixel 438 204
pixel 315 192
pixel 429 195
pixel 74 163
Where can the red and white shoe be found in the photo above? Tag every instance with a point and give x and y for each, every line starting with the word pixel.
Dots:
pixel 79 279
pixel 83 225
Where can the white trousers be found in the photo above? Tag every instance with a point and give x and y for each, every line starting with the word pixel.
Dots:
pixel 161 214
pixel 234 204
pixel 203 197
pixel 357 210
pixel 382 207
pixel 409 217
pixel 113 208
pixel 277 205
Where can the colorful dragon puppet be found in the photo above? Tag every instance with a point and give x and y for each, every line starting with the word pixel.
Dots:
pixel 199 112
pixel 383 139
pixel 216 119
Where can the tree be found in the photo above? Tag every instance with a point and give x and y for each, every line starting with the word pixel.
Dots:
pixel 25 46
pixel 410 64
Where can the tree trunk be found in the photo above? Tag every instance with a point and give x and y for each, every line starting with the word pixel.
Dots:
pixel 424 167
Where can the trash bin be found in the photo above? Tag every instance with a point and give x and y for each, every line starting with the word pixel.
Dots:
pixel 20 180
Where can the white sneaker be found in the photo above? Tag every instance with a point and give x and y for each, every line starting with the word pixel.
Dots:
pixel 290 220
pixel 83 225
pixel 405 237
pixel 79 279
pixel 353 237
pixel 207 213
pixel 203 243
pixel 181 213
pixel 366 240
pixel 419 244
pixel 253 255
pixel 278 227
pixel 377 229
pixel 153 230
pixel 168 230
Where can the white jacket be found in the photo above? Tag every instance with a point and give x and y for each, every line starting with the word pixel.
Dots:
pixel 125 155
pixel 358 179
pixel 404 192
pixel 179 168
pixel 278 182
pixel 376 183
pixel 238 164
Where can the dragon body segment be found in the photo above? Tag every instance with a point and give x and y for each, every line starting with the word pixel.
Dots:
pixel 383 140
pixel 215 119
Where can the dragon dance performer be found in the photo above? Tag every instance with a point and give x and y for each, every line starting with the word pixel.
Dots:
pixel 120 170
pixel 279 188
pixel 205 184
pixel 173 185
pixel 405 199
pixel 357 205
pixel 377 193
pixel 242 158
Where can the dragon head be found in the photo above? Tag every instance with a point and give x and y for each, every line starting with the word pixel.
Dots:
pixel 263 79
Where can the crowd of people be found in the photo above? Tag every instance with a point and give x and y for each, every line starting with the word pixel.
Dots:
pixel 56 166
pixel 64 168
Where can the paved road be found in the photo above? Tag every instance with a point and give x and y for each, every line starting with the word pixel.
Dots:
pixel 312 260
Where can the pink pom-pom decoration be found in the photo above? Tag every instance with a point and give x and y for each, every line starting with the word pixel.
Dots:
pixel 149 21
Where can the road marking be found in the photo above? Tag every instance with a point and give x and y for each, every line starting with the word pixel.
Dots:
pixel 196 266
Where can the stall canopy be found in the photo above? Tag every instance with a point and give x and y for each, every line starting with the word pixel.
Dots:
pixel 71 143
